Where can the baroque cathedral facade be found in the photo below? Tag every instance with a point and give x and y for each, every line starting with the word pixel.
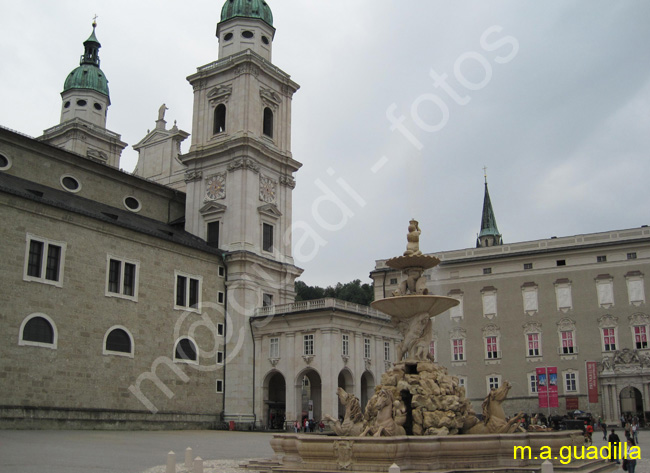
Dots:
pixel 164 298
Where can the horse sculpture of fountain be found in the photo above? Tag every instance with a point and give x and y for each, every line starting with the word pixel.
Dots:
pixel 419 409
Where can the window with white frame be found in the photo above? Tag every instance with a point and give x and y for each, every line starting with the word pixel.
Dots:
pixel 220 329
pixel 220 358
pixel 529 295
pixel 567 335
pixel 185 351
pixel 274 347
pixel 38 330
pixel 456 312
pixel 387 356
pixel 493 382
pixel 366 348
pixel 491 348
pixel 187 293
pixel 267 300
pixel 220 297
pixel 532 383
pixel 640 337
pixel 122 278
pixel 533 344
pixel 605 290
pixel 458 348
pixel 489 297
pixel 308 344
pixel 563 295
pixel 267 237
pixel 345 345
pixel 609 339
pixel 219 385
pixel 635 288
pixel 118 341
pixel 570 382
pixel 44 260
pixel 462 382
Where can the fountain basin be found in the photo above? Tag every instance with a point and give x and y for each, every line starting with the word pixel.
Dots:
pixel 405 307
pixel 459 453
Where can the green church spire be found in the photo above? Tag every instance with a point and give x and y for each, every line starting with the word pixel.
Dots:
pixel 88 75
pixel 489 235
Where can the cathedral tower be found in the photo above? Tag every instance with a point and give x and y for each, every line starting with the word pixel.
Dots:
pixel 489 235
pixel 239 180
pixel 85 102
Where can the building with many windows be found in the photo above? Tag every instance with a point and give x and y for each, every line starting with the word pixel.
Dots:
pixel 560 303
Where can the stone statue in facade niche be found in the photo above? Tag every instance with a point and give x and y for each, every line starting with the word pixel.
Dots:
pixel 352 424
pixel 413 238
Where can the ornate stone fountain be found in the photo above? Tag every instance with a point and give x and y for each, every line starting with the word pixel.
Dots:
pixel 418 408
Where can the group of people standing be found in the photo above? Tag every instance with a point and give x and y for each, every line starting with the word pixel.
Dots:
pixel 308 425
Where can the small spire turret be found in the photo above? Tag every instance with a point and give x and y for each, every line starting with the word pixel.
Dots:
pixel 489 235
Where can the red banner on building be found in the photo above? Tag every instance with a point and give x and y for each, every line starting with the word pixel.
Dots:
pixel 542 387
pixel 592 381
pixel 552 386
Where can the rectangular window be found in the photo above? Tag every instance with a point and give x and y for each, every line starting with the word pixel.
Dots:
pixel 640 337
pixel 213 234
pixel 44 261
pixel 528 265
pixel 366 348
pixel 222 272
pixel 631 255
pixel 570 382
pixel 220 329
pixel 493 382
pixel 345 345
pixel 267 237
pixel 609 339
pixel 462 382
pixel 274 347
pixel 459 349
pixel 219 385
pixel 533 344
pixel 532 383
pixel 560 262
pixel 567 343
pixel 220 358
pixel 601 259
pixel 387 351
pixel 393 281
pixel 188 291
pixel 122 278
pixel 487 270
pixel 308 344
pixel 267 300
pixel 220 297
pixel 492 351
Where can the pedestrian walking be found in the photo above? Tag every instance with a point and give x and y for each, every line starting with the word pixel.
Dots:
pixel 614 441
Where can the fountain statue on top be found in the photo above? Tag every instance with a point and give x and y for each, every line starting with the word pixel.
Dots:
pixel 417 396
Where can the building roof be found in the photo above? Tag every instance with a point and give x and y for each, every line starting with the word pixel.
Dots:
pixel 79 205
pixel 258 9
pixel 88 75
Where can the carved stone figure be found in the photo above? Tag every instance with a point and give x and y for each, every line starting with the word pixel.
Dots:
pixel 626 357
pixel 384 424
pixel 414 283
pixel 413 331
pixel 161 112
pixel 494 417
pixel 352 424
pixel 413 238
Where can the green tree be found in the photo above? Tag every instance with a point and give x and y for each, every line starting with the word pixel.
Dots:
pixel 351 292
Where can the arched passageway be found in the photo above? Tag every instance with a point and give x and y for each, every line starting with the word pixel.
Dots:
pixel 308 395
pixel 275 399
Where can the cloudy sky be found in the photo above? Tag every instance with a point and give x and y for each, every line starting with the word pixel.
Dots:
pixel 402 104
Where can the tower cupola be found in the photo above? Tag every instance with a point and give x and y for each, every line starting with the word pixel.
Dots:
pixel 245 24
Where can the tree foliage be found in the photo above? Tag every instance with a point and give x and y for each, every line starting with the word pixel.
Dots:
pixel 351 292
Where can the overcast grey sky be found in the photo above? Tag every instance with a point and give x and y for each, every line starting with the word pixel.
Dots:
pixel 553 97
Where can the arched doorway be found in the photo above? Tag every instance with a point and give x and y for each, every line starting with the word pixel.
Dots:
pixel 345 381
pixel 308 395
pixel 631 401
pixel 367 388
pixel 275 395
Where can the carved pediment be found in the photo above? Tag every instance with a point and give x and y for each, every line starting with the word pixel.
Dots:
pixel 219 94
pixel 212 208
pixel 270 98
pixel 626 357
pixel 270 210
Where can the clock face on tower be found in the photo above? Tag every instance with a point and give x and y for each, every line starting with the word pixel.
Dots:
pixel 215 187
pixel 267 190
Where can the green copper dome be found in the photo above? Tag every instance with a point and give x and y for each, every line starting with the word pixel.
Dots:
pixel 248 9
pixel 88 75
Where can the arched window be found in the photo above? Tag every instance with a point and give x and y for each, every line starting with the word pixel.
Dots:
pixel 219 119
pixel 38 330
pixel 185 350
pixel 118 341
pixel 268 122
